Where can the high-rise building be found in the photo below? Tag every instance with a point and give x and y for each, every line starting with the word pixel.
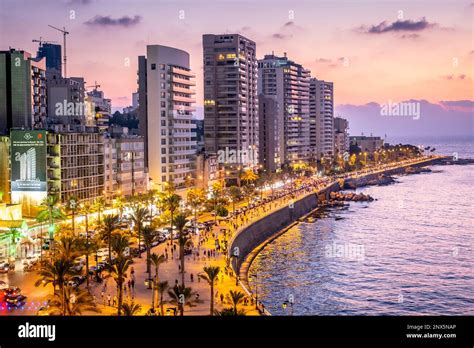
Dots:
pixel 288 82
pixel 269 136
pixel 230 99
pixel 75 165
pixel 98 109
pixel 124 165
pixel 52 53
pixel 142 103
pixel 322 115
pixel 22 91
pixel 66 103
pixel 341 136
pixel 169 130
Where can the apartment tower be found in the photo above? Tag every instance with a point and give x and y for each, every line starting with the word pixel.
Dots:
pixel 167 89
pixel 230 100
pixel 289 83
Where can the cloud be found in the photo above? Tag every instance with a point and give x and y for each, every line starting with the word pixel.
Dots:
pixel 448 118
pixel 458 105
pixel 107 21
pixel 454 77
pixel 281 36
pixel 398 26
pixel 410 36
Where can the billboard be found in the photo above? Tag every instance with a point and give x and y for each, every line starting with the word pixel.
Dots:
pixel 28 161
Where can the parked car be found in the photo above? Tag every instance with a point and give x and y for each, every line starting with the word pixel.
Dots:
pixel 12 291
pixel 16 301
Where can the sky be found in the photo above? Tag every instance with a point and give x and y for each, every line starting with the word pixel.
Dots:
pixel 375 51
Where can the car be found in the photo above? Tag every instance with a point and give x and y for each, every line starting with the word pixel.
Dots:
pixel 3 285
pixel 12 291
pixel 16 301
pixel 4 266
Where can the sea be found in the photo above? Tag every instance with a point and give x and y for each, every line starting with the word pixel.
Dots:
pixel 408 252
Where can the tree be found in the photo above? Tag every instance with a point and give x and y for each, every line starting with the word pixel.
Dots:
pixel 118 271
pixel 13 237
pixel 109 226
pixel 85 209
pixel 148 237
pixel 50 210
pixel 139 216
pixel 68 247
pixel 184 240
pixel 72 207
pixel 216 196
pixel 56 273
pixel 99 205
pixel 248 176
pixel 162 287
pixel 195 198
pixel 119 203
pixel 235 194
pixel 119 244
pixel 75 301
pixel 171 203
pixel 249 192
pixel 182 296
pixel 235 298
pixel 156 260
pixel 211 275
pixel 131 308
pixel 227 312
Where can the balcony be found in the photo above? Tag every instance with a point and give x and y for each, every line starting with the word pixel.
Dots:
pixel 183 81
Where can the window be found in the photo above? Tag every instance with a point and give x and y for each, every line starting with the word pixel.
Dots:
pixel 163 104
pixel 163 85
pixel 162 66
pixel 153 67
pixel 163 113
pixel 163 178
pixel 163 94
pixel 163 151
pixel 163 159
pixel 163 123
pixel 163 169
pixel 162 75
pixel 163 141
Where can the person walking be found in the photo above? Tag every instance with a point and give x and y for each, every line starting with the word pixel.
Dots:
pixel 108 299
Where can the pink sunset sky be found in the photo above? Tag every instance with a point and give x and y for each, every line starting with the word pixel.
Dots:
pixel 373 51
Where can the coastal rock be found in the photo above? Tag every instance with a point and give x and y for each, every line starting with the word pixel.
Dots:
pixel 349 196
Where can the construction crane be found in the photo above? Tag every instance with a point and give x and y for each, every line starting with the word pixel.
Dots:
pixel 95 86
pixel 65 32
pixel 41 41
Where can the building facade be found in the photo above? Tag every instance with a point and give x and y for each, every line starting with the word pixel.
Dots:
pixel 52 53
pixel 170 133
pixel 367 144
pixel 288 82
pixel 75 165
pixel 269 135
pixel 207 170
pixel 66 101
pixel 230 100
pixel 98 109
pixel 23 102
pixel 341 136
pixel 322 118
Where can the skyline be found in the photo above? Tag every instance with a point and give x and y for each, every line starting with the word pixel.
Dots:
pixel 350 45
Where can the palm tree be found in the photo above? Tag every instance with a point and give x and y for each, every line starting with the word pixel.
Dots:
pixel 88 247
pixel 50 211
pixel 211 275
pixel 235 297
pixel 119 203
pixel 85 209
pixel 236 194
pixel 118 271
pixel 148 237
pixel 109 226
pixel 162 287
pixel 99 205
pixel 131 308
pixel 195 198
pixel 216 196
pixel 56 273
pixel 138 217
pixel 12 237
pixel 75 301
pixel 72 206
pixel 156 261
pixel 171 203
pixel 119 244
pixel 68 247
pixel 182 296
pixel 249 192
pixel 226 312
pixel 183 241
